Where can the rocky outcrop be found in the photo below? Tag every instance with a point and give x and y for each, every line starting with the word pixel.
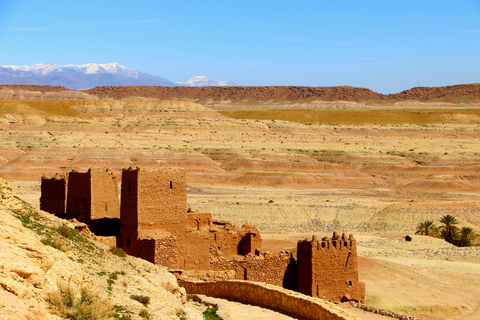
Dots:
pixel 31 271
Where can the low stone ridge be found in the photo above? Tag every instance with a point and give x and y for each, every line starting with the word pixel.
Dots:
pixel 242 94
pixel 28 87
pixel 287 93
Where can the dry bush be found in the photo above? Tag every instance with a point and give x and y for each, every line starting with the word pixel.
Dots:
pixel 79 304
pixel 57 242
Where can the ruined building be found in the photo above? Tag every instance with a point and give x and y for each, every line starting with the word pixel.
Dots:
pixel 90 197
pixel 152 222
pixel 53 197
pixel 328 268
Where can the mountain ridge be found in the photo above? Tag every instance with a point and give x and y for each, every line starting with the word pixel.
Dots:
pixel 91 75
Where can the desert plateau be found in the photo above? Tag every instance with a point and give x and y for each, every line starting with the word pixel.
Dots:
pixel 291 161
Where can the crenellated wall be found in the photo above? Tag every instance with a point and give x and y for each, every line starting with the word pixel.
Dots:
pixel 328 268
pixel 270 296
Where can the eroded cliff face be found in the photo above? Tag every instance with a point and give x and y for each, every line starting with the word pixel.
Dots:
pixel 30 271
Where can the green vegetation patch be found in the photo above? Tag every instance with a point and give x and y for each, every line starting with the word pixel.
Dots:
pixel 210 314
pixel 145 300
pixel 368 116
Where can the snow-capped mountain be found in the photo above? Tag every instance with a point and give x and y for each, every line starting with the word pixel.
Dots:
pixel 202 81
pixel 79 76
pixel 91 75
pixel 91 68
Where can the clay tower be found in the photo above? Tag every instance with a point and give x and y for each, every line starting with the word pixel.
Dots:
pixel 328 269
pixel 154 211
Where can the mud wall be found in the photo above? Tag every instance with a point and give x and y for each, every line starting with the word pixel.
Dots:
pixel 328 269
pixel 128 213
pixel 153 200
pixel 79 197
pixel 105 203
pixel 276 270
pixel 162 198
pixel 53 197
pixel 161 250
pixel 271 297
pixel 92 198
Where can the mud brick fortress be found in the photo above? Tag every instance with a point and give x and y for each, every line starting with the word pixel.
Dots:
pixel 152 222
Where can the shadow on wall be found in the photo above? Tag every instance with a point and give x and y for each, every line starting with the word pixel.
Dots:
pixel 106 227
pixel 290 277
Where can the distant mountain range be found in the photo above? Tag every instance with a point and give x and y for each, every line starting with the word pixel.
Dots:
pixel 202 81
pixel 92 75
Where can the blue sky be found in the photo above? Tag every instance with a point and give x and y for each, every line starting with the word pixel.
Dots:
pixel 387 46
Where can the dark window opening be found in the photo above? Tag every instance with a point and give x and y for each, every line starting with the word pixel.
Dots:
pixel 349 283
pixel 129 186
pixel 171 185
pixel 128 241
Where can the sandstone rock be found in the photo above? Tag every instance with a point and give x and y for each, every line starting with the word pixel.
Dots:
pixel 29 271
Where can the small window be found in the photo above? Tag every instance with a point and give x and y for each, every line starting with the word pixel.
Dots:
pixel 129 186
pixel 171 185
pixel 128 242
pixel 349 283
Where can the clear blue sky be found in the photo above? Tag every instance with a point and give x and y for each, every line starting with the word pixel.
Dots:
pixel 386 45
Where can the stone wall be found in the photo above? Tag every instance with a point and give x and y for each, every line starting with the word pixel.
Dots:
pixel 53 197
pixel 279 270
pixel 160 249
pixel 270 297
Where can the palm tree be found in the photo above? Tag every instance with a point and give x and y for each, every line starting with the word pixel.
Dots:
pixel 427 228
pixel 466 235
pixel 448 230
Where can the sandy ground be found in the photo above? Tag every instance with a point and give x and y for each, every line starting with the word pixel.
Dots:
pixel 292 181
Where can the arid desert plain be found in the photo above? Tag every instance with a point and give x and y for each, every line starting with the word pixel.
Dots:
pixel 372 170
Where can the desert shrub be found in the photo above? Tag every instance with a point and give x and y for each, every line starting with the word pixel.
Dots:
pixel 140 298
pixel 114 275
pixel 144 314
pixel 85 305
pixel 270 201
pixel 56 242
pixel 118 252
pixel 121 313
pixel 66 232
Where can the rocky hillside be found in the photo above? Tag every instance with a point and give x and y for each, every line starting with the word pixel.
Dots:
pixel 290 94
pixel 45 262
pixel 246 95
